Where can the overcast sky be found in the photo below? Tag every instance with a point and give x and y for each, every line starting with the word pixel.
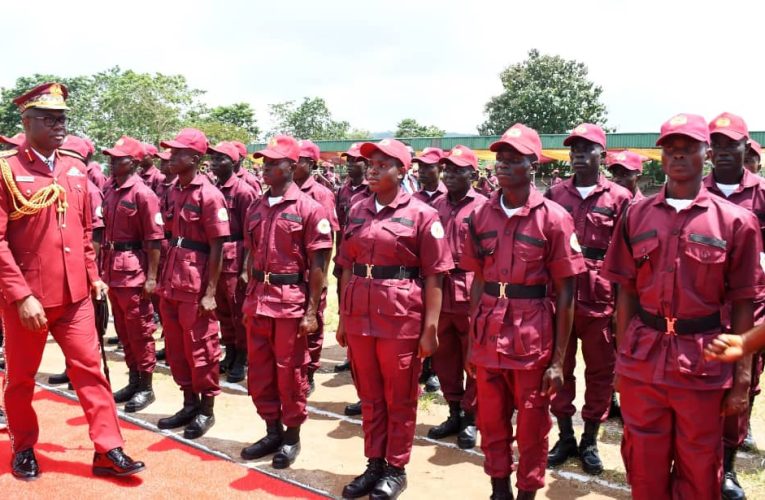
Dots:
pixel 435 61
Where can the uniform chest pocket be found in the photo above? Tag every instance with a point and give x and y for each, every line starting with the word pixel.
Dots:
pixel 191 213
pixel 127 208
pixel 645 252
pixel 400 236
pixel 254 229
pixel 486 244
pixel 706 257
pixel 528 255
pixel 289 228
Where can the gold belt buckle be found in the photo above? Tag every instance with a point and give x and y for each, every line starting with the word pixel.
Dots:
pixel 670 326
pixel 267 278
pixel 369 271
pixel 502 287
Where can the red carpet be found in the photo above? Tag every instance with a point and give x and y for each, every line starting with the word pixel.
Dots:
pixel 174 470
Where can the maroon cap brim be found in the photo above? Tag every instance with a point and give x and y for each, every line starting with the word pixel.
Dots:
pixel 460 162
pixel 695 137
pixel 522 148
pixel 115 152
pixel 270 154
pixel 175 145
pixel 732 134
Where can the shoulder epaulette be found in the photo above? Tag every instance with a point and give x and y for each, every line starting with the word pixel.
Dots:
pixel 8 153
pixel 66 152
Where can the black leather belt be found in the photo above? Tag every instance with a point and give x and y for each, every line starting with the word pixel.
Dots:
pixel 510 291
pixel 276 279
pixel 122 246
pixel 234 237
pixel 673 326
pixel 457 270
pixel 197 246
pixel 370 271
pixel 594 253
pixel 168 235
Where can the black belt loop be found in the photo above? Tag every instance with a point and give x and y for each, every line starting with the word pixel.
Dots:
pixel 594 253
pixel 168 235
pixel 276 279
pixel 234 237
pixel 370 271
pixel 197 246
pixel 674 326
pixel 123 246
pixel 511 291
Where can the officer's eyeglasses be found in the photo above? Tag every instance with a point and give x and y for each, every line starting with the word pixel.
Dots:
pixel 52 121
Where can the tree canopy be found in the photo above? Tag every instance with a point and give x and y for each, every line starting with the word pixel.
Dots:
pixel 409 127
pixel 547 93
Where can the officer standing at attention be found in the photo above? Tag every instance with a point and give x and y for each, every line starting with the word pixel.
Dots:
pixel 289 241
pixel 595 203
pixel 678 258
pixel 198 220
pixel 394 256
pixel 45 216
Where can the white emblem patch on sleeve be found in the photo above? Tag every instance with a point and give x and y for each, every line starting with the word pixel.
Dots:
pixel 158 219
pixel 575 243
pixel 223 214
pixel 437 230
pixel 324 227
pixel 100 212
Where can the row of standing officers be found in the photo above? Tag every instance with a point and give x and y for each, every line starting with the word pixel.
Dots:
pixel 500 291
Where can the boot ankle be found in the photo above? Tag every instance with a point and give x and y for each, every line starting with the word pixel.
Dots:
pixel 292 435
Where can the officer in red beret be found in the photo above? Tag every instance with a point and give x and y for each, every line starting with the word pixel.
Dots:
pixel 450 359
pixel 230 295
pixel 729 179
pixel 595 203
pixel 678 258
pixel 517 243
pixel 626 167
pixel 55 298
pixel 134 230
pixel 309 156
pixel 198 218
pixel 429 175
pixel 394 256
pixel 752 162
pixel 242 172
pixel 289 238
pixel 151 176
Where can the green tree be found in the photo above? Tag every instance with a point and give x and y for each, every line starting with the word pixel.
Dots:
pixel 311 119
pixel 547 93
pixel 408 127
pixel 225 123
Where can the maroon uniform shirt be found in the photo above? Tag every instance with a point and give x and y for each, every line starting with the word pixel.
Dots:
pixel 196 212
pixel 594 220
pixel 96 202
pixel 533 246
pixel 683 265
pixel 132 215
pixel 152 177
pixel 96 175
pixel 347 195
pixel 251 180
pixel 280 239
pixel 431 198
pixel 239 196
pixel 324 197
pixel 405 233
pixel 37 256
pixel 455 217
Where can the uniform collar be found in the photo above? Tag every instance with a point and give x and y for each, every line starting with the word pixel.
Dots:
pixel 129 182
pixel 471 194
pixel 748 180
pixel 402 198
pixel 196 181
pixel 534 200
pixel 356 188
pixel 34 159
pixel 229 183
pixel 602 184
pixel 149 171
pixel 440 189
pixel 309 183
pixel 702 197
pixel 291 193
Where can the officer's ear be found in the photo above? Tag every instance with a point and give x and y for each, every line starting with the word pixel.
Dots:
pixel 473 175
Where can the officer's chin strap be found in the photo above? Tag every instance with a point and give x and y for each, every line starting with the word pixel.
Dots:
pixel 43 198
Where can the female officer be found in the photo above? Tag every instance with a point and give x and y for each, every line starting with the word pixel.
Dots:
pixel 393 256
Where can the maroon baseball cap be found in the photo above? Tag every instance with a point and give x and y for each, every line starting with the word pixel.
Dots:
pixel 462 156
pixel 17 140
pixel 354 151
pixel 91 146
pixel 689 125
pixel 164 155
pixel 729 125
pixel 390 147
pixel 756 147
pixel 430 156
pixel 588 131
pixel 226 148
pixel 627 159
pixel 127 146
pixel 76 145
pixel 524 139
pixel 188 138
pixel 240 147
pixel 309 150
pixel 150 149
pixel 280 147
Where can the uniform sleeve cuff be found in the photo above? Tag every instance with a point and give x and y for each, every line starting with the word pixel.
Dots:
pixel 617 278
pixel 565 268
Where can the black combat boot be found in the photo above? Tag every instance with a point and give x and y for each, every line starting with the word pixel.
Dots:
pixel 500 488
pixel 731 489
pixel 144 394
pixel 391 485
pixel 228 359
pixel 203 421
pixel 289 450
pixel 467 436
pixel 363 485
pixel 566 445
pixel 451 425
pixel 237 369
pixel 184 415
pixel 588 449
pixel 268 444
pixel 127 392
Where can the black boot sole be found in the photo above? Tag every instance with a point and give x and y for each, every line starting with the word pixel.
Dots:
pixel 133 408
pixel 106 472
pixel 175 425
pixel 282 461
pixel 198 432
